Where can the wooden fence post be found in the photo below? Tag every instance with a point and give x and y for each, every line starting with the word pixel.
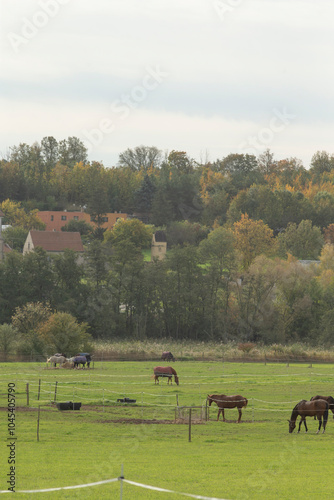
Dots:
pixel 39 389
pixel 39 409
pixel 189 425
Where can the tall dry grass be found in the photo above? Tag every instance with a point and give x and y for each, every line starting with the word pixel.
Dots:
pixel 141 350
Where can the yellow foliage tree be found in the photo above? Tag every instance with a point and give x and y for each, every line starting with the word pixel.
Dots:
pixel 253 238
pixel 17 216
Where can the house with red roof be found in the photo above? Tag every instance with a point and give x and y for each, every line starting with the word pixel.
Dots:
pixel 53 242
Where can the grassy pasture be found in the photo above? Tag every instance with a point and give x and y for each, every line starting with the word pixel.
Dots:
pixel 256 459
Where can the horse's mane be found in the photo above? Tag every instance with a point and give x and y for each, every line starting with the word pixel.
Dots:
pixel 297 405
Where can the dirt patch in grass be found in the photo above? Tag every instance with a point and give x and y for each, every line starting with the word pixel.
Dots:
pixel 138 421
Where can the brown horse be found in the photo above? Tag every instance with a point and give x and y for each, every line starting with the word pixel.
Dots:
pixel 165 371
pixel 329 400
pixel 223 401
pixel 318 408
pixel 167 356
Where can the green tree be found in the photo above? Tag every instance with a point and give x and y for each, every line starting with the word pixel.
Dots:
pixel 8 340
pixel 131 231
pixel 71 151
pixel 38 275
pixel 303 241
pixel 15 237
pixel 27 320
pixel 62 333
pixel 182 294
pixel 180 161
pixel 185 233
pixel 219 259
pixel 321 162
pixel 141 157
pixel 293 301
pixel 255 293
pixel 13 286
pixel 69 293
pixel 144 195
pixel 79 226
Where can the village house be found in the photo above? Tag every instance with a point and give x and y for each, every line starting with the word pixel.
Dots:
pixel 55 220
pixel 158 245
pixel 54 242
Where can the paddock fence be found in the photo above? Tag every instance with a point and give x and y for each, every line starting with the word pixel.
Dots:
pixel 114 399
pixel 34 357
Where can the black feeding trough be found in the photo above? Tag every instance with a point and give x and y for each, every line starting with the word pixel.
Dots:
pixel 68 405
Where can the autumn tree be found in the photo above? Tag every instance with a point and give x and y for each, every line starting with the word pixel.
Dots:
pixel 253 238
pixel 17 216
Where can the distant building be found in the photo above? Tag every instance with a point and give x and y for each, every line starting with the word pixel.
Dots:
pixel 4 248
pixel 159 245
pixel 55 220
pixel 53 242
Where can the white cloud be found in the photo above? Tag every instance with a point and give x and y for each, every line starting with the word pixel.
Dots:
pixel 225 75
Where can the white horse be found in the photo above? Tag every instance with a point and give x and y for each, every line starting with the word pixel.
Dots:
pixel 56 359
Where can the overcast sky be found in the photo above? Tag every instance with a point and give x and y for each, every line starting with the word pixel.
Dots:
pixel 209 77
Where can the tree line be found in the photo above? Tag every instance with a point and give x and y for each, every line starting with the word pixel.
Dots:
pixel 236 231
pixel 169 187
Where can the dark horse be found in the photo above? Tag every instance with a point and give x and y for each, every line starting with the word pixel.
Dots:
pixel 329 400
pixel 223 401
pixel 79 360
pixel 167 356
pixel 318 408
pixel 165 371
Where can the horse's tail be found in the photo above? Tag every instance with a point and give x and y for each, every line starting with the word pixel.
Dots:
pixel 326 415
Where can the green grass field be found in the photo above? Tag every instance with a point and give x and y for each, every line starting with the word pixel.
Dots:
pixel 256 459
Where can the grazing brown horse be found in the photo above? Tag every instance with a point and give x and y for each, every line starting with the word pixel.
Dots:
pixel 329 400
pixel 223 401
pixel 318 408
pixel 167 356
pixel 165 371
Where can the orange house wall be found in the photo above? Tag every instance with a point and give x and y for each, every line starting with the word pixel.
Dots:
pixel 57 223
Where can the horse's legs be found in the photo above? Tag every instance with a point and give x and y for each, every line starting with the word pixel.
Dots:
pixel 320 422
pixel 300 423
pixel 222 410
pixel 306 429
pixel 219 412
pixel 239 410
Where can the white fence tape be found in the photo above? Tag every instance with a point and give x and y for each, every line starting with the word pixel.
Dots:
pixel 154 488
pixel 98 483
pixel 64 487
